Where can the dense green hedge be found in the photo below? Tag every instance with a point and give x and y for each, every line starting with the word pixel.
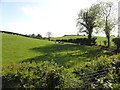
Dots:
pixel 101 74
pixel 81 41
pixel 116 42
pixel 33 75
pixel 36 75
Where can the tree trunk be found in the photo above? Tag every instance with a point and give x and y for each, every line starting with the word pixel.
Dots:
pixel 89 36
pixel 49 39
pixel 108 38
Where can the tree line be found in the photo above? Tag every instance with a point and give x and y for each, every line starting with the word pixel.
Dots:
pixel 38 36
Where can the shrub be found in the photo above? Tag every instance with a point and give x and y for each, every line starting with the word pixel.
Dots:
pixel 81 41
pixel 99 74
pixel 116 42
pixel 33 75
pixel 105 42
pixel 103 73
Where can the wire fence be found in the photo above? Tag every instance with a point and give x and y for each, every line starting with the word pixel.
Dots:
pixel 91 78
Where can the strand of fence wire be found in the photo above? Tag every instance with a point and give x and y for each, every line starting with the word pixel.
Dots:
pixel 89 74
pixel 99 71
pixel 89 77
pixel 95 74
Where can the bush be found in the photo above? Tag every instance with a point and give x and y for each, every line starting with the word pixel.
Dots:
pixel 33 75
pixel 116 42
pixel 101 74
pixel 81 41
pixel 105 42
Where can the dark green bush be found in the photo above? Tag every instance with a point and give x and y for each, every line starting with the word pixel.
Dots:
pixel 81 41
pixel 101 74
pixel 116 42
pixel 105 42
pixel 33 75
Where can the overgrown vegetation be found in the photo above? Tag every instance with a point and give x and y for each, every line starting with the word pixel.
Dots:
pixel 117 42
pixel 99 40
pixel 80 41
pixel 65 62
pixel 88 19
pixel 101 74
pixel 33 75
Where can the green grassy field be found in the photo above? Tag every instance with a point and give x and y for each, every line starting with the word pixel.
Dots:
pixel 17 49
pixel 56 65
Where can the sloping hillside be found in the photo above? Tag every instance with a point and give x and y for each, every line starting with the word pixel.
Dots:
pixel 16 48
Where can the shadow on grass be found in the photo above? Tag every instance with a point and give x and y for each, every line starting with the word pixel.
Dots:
pixel 66 54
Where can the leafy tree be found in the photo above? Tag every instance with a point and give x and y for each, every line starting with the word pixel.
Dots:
pixel 108 20
pixel 49 35
pixel 38 36
pixel 32 35
pixel 89 19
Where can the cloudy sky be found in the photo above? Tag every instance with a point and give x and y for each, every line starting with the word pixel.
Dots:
pixel 41 16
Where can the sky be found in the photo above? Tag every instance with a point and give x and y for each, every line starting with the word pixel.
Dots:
pixel 41 16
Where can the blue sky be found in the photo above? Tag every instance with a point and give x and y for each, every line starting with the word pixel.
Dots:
pixel 55 16
pixel 11 12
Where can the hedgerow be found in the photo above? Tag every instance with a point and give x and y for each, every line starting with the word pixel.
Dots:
pixel 103 73
pixel 116 42
pixel 33 75
pixel 81 41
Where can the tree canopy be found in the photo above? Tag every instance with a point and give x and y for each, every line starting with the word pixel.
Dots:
pixel 88 18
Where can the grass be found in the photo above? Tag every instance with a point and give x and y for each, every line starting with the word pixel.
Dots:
pixel 66 54
pixel 70 63
pixel 18 49
pixel 101 39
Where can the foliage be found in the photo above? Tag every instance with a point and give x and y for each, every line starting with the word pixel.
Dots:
pixel 97 74
pixel 117 42
pixel 48 34
pixel 38 36
pixel 70 62
pixel 107 18
pixel 99 40
pixel 32 35
pixel 100 74
pixel 105 42
pixel 87 18
pixel 33 75
pixel 81 41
